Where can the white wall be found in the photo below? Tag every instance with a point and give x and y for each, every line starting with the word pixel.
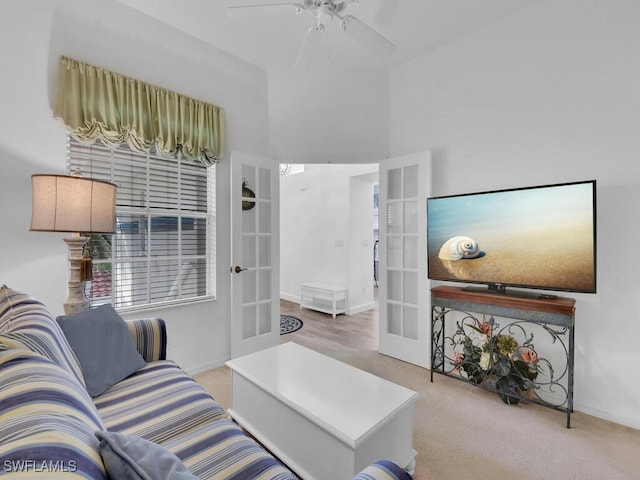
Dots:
pixel 549 95
pixel 34 34
pixel 326 224
pixel 318 116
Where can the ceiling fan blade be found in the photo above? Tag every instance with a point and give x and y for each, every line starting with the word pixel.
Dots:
pixel 311 47
pixel 386 12
pixel 366 36
pixel 258 3
pixel 236 5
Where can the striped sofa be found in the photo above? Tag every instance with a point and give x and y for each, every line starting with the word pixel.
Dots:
pixel 48 421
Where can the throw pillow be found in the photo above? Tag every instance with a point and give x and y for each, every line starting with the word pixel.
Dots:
pixel 134 458
pixel 104 347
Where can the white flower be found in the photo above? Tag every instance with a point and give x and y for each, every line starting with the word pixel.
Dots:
pixel 485 360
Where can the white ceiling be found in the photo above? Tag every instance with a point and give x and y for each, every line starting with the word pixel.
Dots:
pixel 271 36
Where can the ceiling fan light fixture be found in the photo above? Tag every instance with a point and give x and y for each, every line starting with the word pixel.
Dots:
pixel 324 11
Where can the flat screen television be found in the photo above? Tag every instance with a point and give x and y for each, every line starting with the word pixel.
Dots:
pixel 540 237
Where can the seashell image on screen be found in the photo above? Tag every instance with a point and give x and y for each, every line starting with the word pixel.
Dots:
pixel 541 237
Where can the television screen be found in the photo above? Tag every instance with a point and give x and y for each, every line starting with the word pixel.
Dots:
pixel 541 237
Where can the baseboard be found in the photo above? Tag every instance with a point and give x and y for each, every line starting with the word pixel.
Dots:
pixel 289 297
pixel 607 416
pixel 361 308
pixel 205 367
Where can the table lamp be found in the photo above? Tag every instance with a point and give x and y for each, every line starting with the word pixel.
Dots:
pixel 77 205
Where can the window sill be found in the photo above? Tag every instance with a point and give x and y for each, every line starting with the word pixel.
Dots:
pixel 165 305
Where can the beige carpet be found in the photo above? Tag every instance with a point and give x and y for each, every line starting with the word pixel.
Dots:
pixel 462 432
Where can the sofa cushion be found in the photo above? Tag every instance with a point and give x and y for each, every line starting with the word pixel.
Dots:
pixel 101 340
pixel 157 402
pixel 47 420
pixel 25 323
pixel 222 450
pixel 134 458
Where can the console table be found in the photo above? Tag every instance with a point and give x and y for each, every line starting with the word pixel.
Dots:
pixel 504 358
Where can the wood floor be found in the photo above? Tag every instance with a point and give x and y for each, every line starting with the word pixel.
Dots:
pixel 322 332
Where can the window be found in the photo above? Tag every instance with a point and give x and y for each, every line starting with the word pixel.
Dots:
pixel 164 245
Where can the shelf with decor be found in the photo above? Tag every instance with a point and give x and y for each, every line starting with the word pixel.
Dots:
pixel 527 357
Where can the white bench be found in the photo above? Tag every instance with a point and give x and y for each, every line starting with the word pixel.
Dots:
pixel 323 297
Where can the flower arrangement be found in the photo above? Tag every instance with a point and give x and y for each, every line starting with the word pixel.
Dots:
pixel 495 359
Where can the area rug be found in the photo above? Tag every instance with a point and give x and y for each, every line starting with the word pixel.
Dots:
pixel 289 324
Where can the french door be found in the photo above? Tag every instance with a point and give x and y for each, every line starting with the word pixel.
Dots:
pixel 404 300
pixel 255 254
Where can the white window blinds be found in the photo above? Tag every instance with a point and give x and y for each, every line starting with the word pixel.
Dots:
pixel 164 245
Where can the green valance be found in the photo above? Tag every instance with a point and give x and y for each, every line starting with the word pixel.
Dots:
pixel 95 103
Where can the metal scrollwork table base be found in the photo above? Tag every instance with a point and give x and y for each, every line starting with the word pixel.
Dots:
pixel 546 319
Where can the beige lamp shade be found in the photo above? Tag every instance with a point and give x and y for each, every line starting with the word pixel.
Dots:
pixel 72 203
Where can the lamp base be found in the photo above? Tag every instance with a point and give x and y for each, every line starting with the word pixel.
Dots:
pixel 77 301
pixel 75 306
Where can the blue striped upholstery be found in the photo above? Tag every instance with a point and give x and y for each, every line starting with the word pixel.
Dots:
pixel 27 324
pixel 383 470
pixel 163 404
pixel 150 338
pixel 157 403
pixel 47 420
pixel 221 450
pixel 47 416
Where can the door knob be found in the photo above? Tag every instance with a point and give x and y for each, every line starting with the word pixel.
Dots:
pixel 238 269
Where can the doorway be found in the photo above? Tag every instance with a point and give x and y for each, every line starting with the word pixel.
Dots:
pixel 333 245
pixel 328 225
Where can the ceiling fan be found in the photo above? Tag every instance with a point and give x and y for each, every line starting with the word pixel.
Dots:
pixel 325 11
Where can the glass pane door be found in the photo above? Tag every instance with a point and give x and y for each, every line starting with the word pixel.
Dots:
pixel 254 244
pixel 404 297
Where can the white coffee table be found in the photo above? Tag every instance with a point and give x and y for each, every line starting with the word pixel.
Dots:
pixel 323 418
